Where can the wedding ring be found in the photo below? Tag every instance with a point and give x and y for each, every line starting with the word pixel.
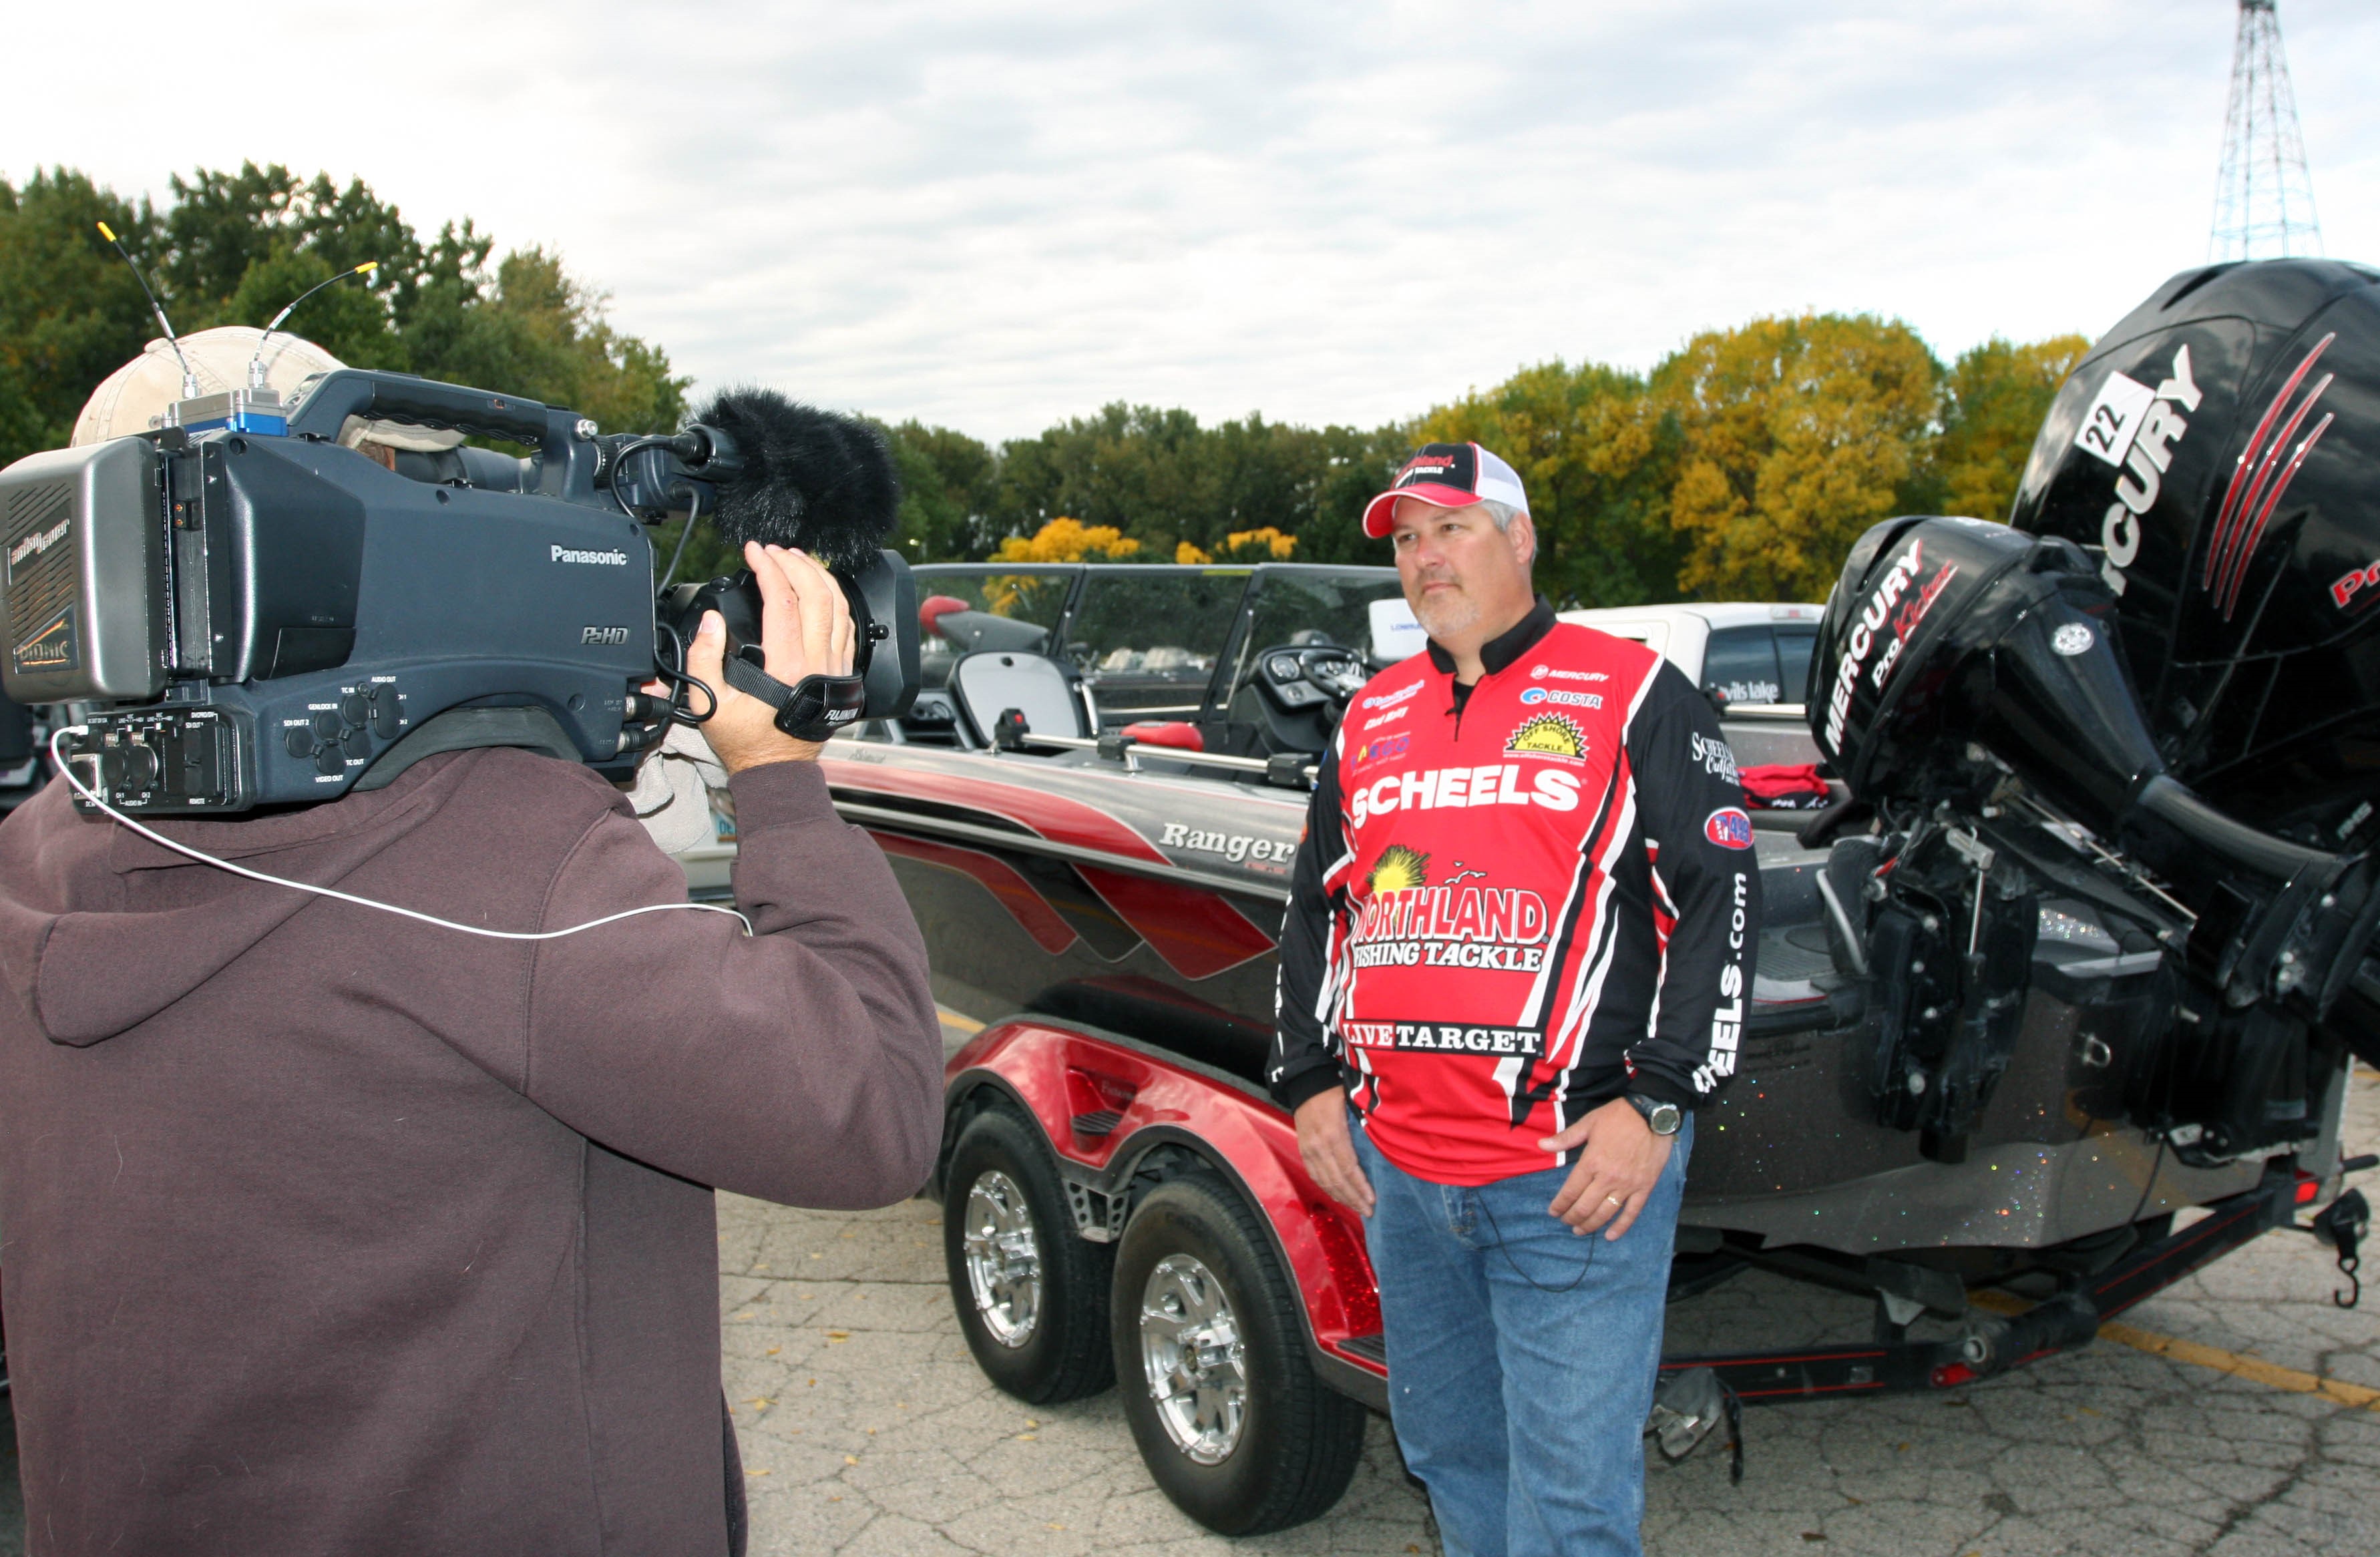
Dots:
pixel 1612 1200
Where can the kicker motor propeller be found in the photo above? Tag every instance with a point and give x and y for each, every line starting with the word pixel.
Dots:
pixel 254 615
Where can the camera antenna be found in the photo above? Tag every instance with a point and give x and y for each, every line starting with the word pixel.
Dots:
pixel 189 379
pixel 256 370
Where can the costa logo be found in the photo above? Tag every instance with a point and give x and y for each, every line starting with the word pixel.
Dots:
pixel 1536 695
pixel 1728 827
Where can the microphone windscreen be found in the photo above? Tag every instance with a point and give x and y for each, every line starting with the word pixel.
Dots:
pixel 810 478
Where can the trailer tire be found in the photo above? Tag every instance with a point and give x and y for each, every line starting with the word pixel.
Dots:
pixel 1250 1440
pixel 1031 1293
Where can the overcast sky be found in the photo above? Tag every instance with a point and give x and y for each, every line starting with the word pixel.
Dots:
pixel 996 216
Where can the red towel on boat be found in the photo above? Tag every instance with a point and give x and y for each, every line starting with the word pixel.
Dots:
pixel 1778 786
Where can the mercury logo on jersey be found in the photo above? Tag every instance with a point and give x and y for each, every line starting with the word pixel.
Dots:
pixel 1437 789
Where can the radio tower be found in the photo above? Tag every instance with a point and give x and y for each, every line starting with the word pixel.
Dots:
pixel 2264 196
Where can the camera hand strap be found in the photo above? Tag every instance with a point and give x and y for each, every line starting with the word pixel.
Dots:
pixel 811 709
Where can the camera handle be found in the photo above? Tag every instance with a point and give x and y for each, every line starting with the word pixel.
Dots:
pixel 569 457
pixel 811 709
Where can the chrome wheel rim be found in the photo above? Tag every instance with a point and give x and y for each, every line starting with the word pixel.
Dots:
pixel 1195 1363
pixel 1003 1258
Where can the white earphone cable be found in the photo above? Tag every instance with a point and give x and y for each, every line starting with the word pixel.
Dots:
pixel 83 789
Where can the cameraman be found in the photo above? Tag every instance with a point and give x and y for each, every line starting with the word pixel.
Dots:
pixel 333 1232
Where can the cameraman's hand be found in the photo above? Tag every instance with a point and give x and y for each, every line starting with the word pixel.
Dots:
pixel 804 631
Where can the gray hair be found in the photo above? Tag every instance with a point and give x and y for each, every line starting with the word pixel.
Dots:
pixel 1502 513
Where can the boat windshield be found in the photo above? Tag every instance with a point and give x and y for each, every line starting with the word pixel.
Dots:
pixel 1147 639
pixel 1314 607
pixel 992 611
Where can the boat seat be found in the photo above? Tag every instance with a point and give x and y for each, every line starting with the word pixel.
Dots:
pixel 988 684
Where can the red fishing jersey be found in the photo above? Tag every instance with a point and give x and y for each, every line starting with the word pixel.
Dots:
pixel 1517 900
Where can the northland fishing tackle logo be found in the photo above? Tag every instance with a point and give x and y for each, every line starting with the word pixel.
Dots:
pixel 1549 735
pixel 1399 869
pixel 1404 922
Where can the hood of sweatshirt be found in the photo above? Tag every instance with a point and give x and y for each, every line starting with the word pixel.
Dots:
pixel 100 929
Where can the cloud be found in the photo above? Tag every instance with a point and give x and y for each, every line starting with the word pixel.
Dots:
pixel 994 215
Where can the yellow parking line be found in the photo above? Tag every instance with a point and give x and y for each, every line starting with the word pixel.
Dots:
pixel 952 1019
pixel 2255 1369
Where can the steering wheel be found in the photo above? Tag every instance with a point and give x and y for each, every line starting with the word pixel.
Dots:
pixel 1308 678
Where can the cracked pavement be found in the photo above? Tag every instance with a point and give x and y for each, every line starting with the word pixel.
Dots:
pixel 866 1427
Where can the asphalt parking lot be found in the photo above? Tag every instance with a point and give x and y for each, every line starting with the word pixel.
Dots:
pixel 2250 1424
pixel 867 1429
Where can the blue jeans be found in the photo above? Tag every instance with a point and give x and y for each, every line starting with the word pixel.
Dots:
pixel 1521 1356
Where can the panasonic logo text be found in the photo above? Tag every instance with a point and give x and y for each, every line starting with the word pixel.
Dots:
pixel 600 559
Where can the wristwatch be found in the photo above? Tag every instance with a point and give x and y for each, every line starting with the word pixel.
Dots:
pixel 1661 1119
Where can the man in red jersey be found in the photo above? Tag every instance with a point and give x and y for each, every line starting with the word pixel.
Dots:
pixel 1518 956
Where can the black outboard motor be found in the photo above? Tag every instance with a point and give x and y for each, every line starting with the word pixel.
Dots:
pixel 2192 510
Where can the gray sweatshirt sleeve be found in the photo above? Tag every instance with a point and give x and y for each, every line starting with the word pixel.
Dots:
pixel 801 1065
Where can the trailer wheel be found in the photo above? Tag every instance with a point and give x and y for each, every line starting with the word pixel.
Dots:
pixel 1228 1413
pixel 1031 1293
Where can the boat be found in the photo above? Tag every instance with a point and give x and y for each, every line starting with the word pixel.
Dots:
pixel 2074 941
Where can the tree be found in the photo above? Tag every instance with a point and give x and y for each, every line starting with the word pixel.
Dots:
pixel 1596 457
pixel 1069 540
pixel 1795 435
pixel 71 313
pixel 947 487
pixel 1993 404
pixel 234 247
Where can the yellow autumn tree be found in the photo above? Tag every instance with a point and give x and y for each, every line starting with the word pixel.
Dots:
pixel 1067 540
pixel 1265 544
pixel 1992 405
pixel 1189 555
pixel 1796 435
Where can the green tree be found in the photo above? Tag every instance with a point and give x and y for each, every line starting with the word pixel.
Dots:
pixel 1596 457
pixel 1795 435
pixel 71 313
pixel 1992 403
pixel 947 488
pixel 234 247
pixel 1355 465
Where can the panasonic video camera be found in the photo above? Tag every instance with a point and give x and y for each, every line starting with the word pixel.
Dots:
pixel 255 615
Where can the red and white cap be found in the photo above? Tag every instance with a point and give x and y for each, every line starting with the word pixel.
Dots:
pixel 1452 475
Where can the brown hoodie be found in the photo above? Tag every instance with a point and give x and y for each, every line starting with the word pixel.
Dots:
pixel 328 1231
